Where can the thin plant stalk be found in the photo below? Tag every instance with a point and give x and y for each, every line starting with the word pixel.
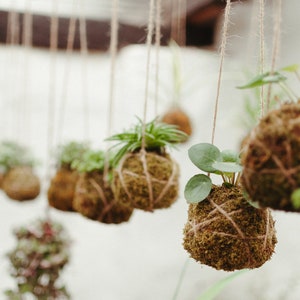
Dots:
pixel 180 280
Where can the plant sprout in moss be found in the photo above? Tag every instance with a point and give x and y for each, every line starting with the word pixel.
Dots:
pixel 13 155
pixel 209 158
pixel 71 151
pixel 157 136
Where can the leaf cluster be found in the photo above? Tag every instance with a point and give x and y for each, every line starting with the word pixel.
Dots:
pixel 70 151
pixel 156 135
pixel 12 155
pixel 209 158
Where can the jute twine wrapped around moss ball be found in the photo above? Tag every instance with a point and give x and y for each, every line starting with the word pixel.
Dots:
pixel 225 232
pixel 146 180
pixel 95 200
pixel 271 159
pixel 176 116
pixel 20 183
pixel 61 190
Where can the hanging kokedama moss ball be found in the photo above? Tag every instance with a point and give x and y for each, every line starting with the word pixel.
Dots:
pixel 61 190
pixel 146 180
pixel 20 183
pixel 1 179
pixel 271 160
pixel 176 116
pixel 225 232
pixel 95 200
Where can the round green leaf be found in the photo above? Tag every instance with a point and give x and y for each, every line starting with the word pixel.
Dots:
pixel 227 167
pixel 230 156
pixel 203 155
pixel 295 197
pixel 197 188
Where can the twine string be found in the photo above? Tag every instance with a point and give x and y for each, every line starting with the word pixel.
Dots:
pixel 262 50
pixel 222 56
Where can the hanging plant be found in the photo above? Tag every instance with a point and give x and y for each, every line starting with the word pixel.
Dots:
pixel 62 186
pixel 271 157
pixel 93 196
pixel 223 230
pixel 41 253
pixel 175 114
pixel 146 177
pixel 19 181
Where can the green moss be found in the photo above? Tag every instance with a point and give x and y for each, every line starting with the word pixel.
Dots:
pixel 227 233
pixel 271 159
pixel 20 183
pixel 61 190
pixel 131 186
pixel 95 200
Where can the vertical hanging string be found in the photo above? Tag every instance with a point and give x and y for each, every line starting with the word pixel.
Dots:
pixel 222 56
pixel 157 48
pixel 276 44
pixel 66 75
pixel 84 55
pixel 113 54
pixel 262 50
pixel 182 22
pixel 150 29
pixel 52 90
pixel 27 43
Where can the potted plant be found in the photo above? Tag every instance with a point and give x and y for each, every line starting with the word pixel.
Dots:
pixel 41 253
pixel 146 177
pixel 19 181
pixel 223 230
pixel 62 185
pixel 93 196
pixel 271 157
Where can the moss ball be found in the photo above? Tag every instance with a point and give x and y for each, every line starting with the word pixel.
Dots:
pixel 146 180
pixel 227 233
pixel 20 183
pixel 1 179
pixel 61 190
pixel 176 116
pixel 95 200
pixel 271 160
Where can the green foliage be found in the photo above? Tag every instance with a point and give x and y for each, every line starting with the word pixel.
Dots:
pixel 71 151
pixel 13 155
pixel 295 197
pixel 209 158
pixel 41 253
pixel 157 136
pixel 89 161
pixel 216 288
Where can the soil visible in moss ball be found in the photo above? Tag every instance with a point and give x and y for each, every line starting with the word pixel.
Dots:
pixel 62 188
pixel 20 183
pixel 271 160
pixel 176 116
pixel 146 180
pixel 95 200
pixel 227 233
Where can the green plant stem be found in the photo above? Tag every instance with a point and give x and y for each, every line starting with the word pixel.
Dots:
pixel 288 91
pixel 180 280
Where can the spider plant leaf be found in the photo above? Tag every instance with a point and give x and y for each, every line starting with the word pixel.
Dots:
pixel 264 79
pixel 291 68
pixel 203 156
pixel 197 188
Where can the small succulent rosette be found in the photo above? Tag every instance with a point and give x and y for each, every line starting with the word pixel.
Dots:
pixel 41 253
pixel 93 196
pixel 146 178
pixel 223 230
pixel 19 181
pixel 62 185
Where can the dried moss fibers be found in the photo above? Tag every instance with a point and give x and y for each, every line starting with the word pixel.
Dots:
pixel 62 188
pixel 95 200
pixel 227 233
pixel 20 183
pixel 176 116
pixel 149 185
pixel 271 159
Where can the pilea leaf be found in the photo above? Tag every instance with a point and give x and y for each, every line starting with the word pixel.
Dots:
pixel 263 79
pixel 203 156
pixel 197 188
pixel 230 156
pixel 227 167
